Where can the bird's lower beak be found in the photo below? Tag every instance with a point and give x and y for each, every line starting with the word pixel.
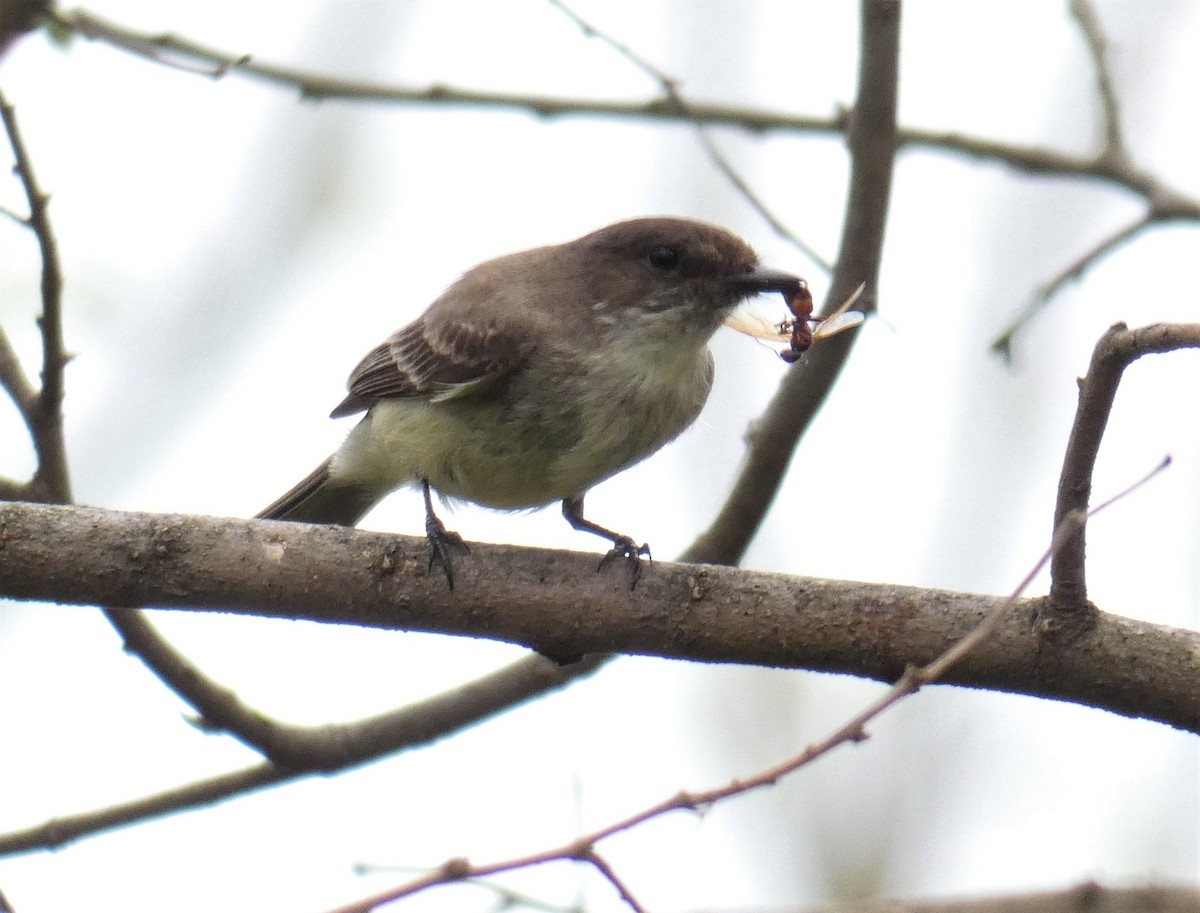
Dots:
pixel 766 280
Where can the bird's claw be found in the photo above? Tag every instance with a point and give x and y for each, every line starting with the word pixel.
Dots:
pixel 441 540
pixel 631 552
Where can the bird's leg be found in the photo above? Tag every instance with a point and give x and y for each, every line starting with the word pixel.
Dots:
pixel 623 546
pixel 440 538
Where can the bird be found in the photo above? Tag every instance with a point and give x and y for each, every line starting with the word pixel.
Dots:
pixel 536 376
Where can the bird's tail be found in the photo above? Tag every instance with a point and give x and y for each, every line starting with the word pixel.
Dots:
pixel 318 498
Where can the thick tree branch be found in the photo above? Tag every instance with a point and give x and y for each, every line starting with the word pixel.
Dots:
pixel 525 596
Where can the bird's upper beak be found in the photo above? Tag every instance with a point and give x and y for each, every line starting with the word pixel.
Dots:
pixel 761 279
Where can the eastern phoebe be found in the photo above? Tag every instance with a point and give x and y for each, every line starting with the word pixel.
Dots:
pixel 537 375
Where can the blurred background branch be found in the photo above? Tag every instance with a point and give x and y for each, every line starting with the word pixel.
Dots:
pixel 1111 163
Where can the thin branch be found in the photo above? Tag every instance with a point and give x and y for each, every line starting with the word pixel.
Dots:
pixel 16 217
pixel 168 49
pixel 1115 351
pixel 1002 344
pixel 418 724
pixel 506 898
pixel 14 382
pixel 1163 203
pixel 43 416
pixel 670 89
pixel 1114 157
pixel 60 831
pixel 330 747
pixel 1093 34
pixel 220 709
pixel 300 750
pixel 602 866
pixel 872 141
pixel 1044 162
pixel 1088 896
pixel 171 50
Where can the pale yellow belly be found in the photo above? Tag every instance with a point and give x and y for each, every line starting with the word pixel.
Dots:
pixel 518 448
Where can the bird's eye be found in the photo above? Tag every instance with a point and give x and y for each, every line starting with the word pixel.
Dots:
pixel 663 257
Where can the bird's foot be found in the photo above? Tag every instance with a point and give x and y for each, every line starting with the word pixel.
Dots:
pixel 631 553
pixel 441 541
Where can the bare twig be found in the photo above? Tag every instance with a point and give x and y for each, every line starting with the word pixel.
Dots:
pixel 506 898
pixel 59 831
pixel 1115 351
pixel 171 50
pixel 15 383
pixel 42 413
pixel 1089 25
pixel 670 89
pixel 1002 344
pixel 1112 158
pixel 602 866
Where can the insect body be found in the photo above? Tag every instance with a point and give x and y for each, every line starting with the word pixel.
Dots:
pixel 803 328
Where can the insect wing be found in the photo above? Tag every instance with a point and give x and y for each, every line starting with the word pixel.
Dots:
pixel 758 327
pixel 838 323
pixel 797 335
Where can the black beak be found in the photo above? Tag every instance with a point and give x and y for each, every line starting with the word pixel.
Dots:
pixel 766 280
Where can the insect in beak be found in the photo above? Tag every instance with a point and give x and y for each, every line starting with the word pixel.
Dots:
pixel 803 329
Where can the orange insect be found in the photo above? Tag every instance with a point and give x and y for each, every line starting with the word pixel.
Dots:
pixel 799 333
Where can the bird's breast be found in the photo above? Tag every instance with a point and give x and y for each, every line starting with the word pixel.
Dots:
pixel 547 432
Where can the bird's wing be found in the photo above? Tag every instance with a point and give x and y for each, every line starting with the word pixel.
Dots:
pixel 444 361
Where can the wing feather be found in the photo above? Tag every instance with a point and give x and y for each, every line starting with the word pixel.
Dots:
pixel 437 361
